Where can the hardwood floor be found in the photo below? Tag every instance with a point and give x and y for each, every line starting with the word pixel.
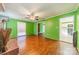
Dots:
pixel 38 45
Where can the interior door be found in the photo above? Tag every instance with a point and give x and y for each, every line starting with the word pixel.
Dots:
pixel 67 29
pixel 21 28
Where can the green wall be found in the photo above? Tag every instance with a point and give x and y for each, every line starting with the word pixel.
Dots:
pixel 29 28
pixel 52 28
pixel 52 25
pixel 78 32
pixel 12 23
pixel 77 27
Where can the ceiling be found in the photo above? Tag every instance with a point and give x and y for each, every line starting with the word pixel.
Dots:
pixel 43 10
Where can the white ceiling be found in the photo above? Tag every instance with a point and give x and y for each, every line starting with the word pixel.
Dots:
pixel 43 10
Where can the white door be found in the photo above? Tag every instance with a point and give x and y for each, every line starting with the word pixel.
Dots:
pixel 21 28
pixel 67 29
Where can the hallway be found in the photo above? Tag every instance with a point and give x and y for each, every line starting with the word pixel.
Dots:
pixel 38 45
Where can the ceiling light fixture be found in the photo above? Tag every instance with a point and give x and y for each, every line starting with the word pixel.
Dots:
pixel 32 17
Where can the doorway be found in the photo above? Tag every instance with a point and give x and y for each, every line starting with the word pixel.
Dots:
pixel 38 28
pixel 41 29
pixel 66 29
pixel 21 28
